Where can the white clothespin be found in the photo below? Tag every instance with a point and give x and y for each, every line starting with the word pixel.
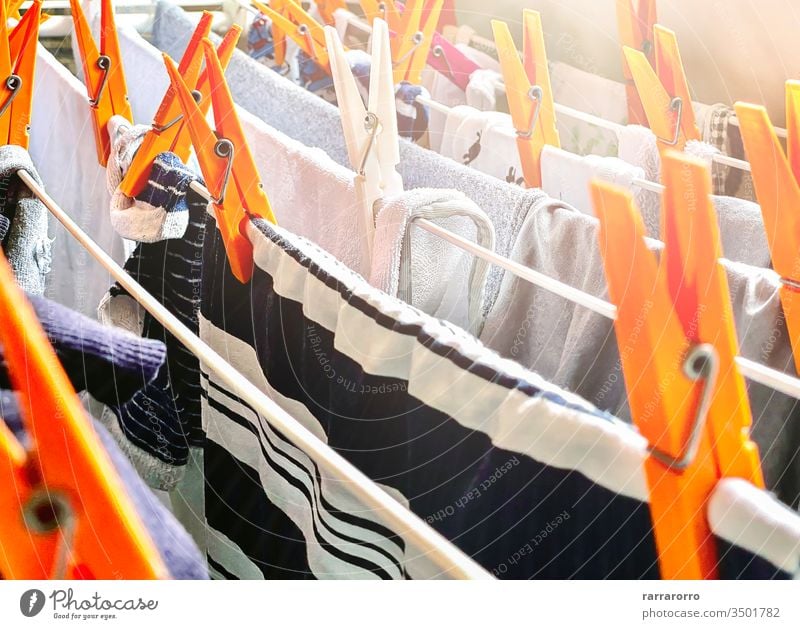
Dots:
pixel 370 132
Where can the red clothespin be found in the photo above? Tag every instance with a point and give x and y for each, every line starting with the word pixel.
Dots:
pixel 103 73
pixel 291 19
pixel 635 22
pixel 664 91
pixel 17 69
pixel 775 177
pixel 448 60
pixel 412 39
pixel 530 97
pixel 55 495
pixel 327 8
pixel 169 131
pixel 225 160
pixel 677 342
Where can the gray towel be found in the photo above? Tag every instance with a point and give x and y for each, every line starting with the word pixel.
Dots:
pixel 25 240
pixel 577 349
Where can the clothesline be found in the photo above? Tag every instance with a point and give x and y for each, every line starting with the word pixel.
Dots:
pixel 448 557
pixel 779 381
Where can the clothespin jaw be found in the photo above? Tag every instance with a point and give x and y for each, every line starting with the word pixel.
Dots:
pixel 530 96
pixel 17 69
pixel 412 40
pixel 169 131
pixel 664 92
pixel 54 496
pixel 370 132
pixel 103 73
pixel 635 22
pixel 292 20
pixel 225 160
pixel 677 343
pixel 327 8
pixel 775 178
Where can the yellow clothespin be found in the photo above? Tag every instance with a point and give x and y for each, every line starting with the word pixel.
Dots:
pixel 290 19
pixel 664 91
pixel 327 8
pixel 530 97
pixel 412 39
pixel 635 22
pixel 677 343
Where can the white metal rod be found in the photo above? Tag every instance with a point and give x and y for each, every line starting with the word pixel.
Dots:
pixel 451 560
pixel 786 384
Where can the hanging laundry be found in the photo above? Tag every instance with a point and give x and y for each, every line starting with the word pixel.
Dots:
pixel 162 421
pixel 576 348
pixel 66 160
pixel 740 222
pixel 23 222
pixel 425 271
pixel 365 371
pixel 719 132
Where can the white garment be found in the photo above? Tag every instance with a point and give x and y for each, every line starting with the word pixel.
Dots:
pixel 482 89
pixel 591 94
pixel 62 148
pixel 404 257
pixel 483 140
pixel 567 176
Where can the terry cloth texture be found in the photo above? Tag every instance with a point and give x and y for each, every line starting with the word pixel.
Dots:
pixel 23 222
pixel 490 460
pixel 162 421
pixel 576 348
pixel 308 119
pixel 424 270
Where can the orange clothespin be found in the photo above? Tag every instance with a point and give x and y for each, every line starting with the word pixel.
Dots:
pixel 327 8
pixel 54 495
pixel 412 38
pixel 635 22
pixel 385 9
pixel 664 91
pixel 677 342
pixel 17 69
pixel 103 73
pixel 775 177
pixel 530 97
pixel 225 160
pixel 291 19
pixel 169 131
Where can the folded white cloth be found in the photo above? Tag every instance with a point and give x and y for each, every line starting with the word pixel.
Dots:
pixel 424 270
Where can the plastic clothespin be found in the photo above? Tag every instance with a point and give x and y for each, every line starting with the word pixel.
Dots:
pixel 677 342
pixel 103 73
pixel 291 19
pixel 226 162
pixel 384 9
pixel 530 97
pixel 635 22
pixel 17 69
pixel 370 132
pixel 448 60
pixel 56 494
pixel 327 8
pixel 168 131
pixel 775 177
pixel 664 91
pixel 412 39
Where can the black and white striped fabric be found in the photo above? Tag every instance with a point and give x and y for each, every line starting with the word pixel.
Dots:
pixel 529 480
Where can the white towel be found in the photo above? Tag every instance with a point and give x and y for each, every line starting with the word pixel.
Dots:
pixel 424 270
pixel 482 89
